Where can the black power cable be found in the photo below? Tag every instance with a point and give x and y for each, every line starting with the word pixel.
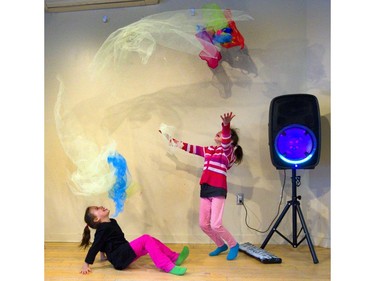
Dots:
pixel 278 210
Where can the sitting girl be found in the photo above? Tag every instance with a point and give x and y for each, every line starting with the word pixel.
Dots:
pixel 110 241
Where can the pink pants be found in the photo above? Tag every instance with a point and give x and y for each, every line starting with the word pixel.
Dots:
pixel 210 221
pixel 161 255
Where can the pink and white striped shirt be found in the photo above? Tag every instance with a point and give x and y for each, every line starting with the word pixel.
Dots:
pixel 217 159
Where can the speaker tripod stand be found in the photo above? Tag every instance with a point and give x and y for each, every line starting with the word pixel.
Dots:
pixel 296 209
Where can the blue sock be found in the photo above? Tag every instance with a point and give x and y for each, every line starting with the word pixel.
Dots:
pixel 233 252
pixel 218 250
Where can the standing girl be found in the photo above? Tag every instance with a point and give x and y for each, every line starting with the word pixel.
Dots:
pixel 217 161
pixel 110 241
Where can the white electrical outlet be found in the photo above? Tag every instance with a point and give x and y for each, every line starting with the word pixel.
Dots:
pixel 239 199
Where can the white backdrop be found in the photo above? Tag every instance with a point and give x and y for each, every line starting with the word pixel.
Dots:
pixel 288 45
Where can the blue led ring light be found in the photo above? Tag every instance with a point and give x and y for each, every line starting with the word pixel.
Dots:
pixel 295 144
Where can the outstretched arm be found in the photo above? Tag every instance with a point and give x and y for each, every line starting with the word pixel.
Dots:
pixel 193 149
pixel 227 117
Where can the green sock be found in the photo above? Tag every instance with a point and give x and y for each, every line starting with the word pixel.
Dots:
pixel 178 270
pixel 183 255
pixel 218 250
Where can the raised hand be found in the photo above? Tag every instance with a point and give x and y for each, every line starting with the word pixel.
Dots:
pixel 227 117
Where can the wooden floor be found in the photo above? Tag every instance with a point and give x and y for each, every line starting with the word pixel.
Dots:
pixel 63 261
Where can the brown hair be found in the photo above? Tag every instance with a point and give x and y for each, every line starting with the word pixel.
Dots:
pixel 237 148
pixel 89 219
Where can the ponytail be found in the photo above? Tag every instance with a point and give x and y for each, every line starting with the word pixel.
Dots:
pixel 239 154
pixel 85 237
pixel 89 219
pixel 237 148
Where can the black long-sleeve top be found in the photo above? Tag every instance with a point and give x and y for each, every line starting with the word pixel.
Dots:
pixel 110 239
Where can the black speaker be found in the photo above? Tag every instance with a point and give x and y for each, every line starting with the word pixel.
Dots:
pixel 294 131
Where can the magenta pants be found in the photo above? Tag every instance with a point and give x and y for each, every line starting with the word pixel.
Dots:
pixel 210 221
pixel 161 255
